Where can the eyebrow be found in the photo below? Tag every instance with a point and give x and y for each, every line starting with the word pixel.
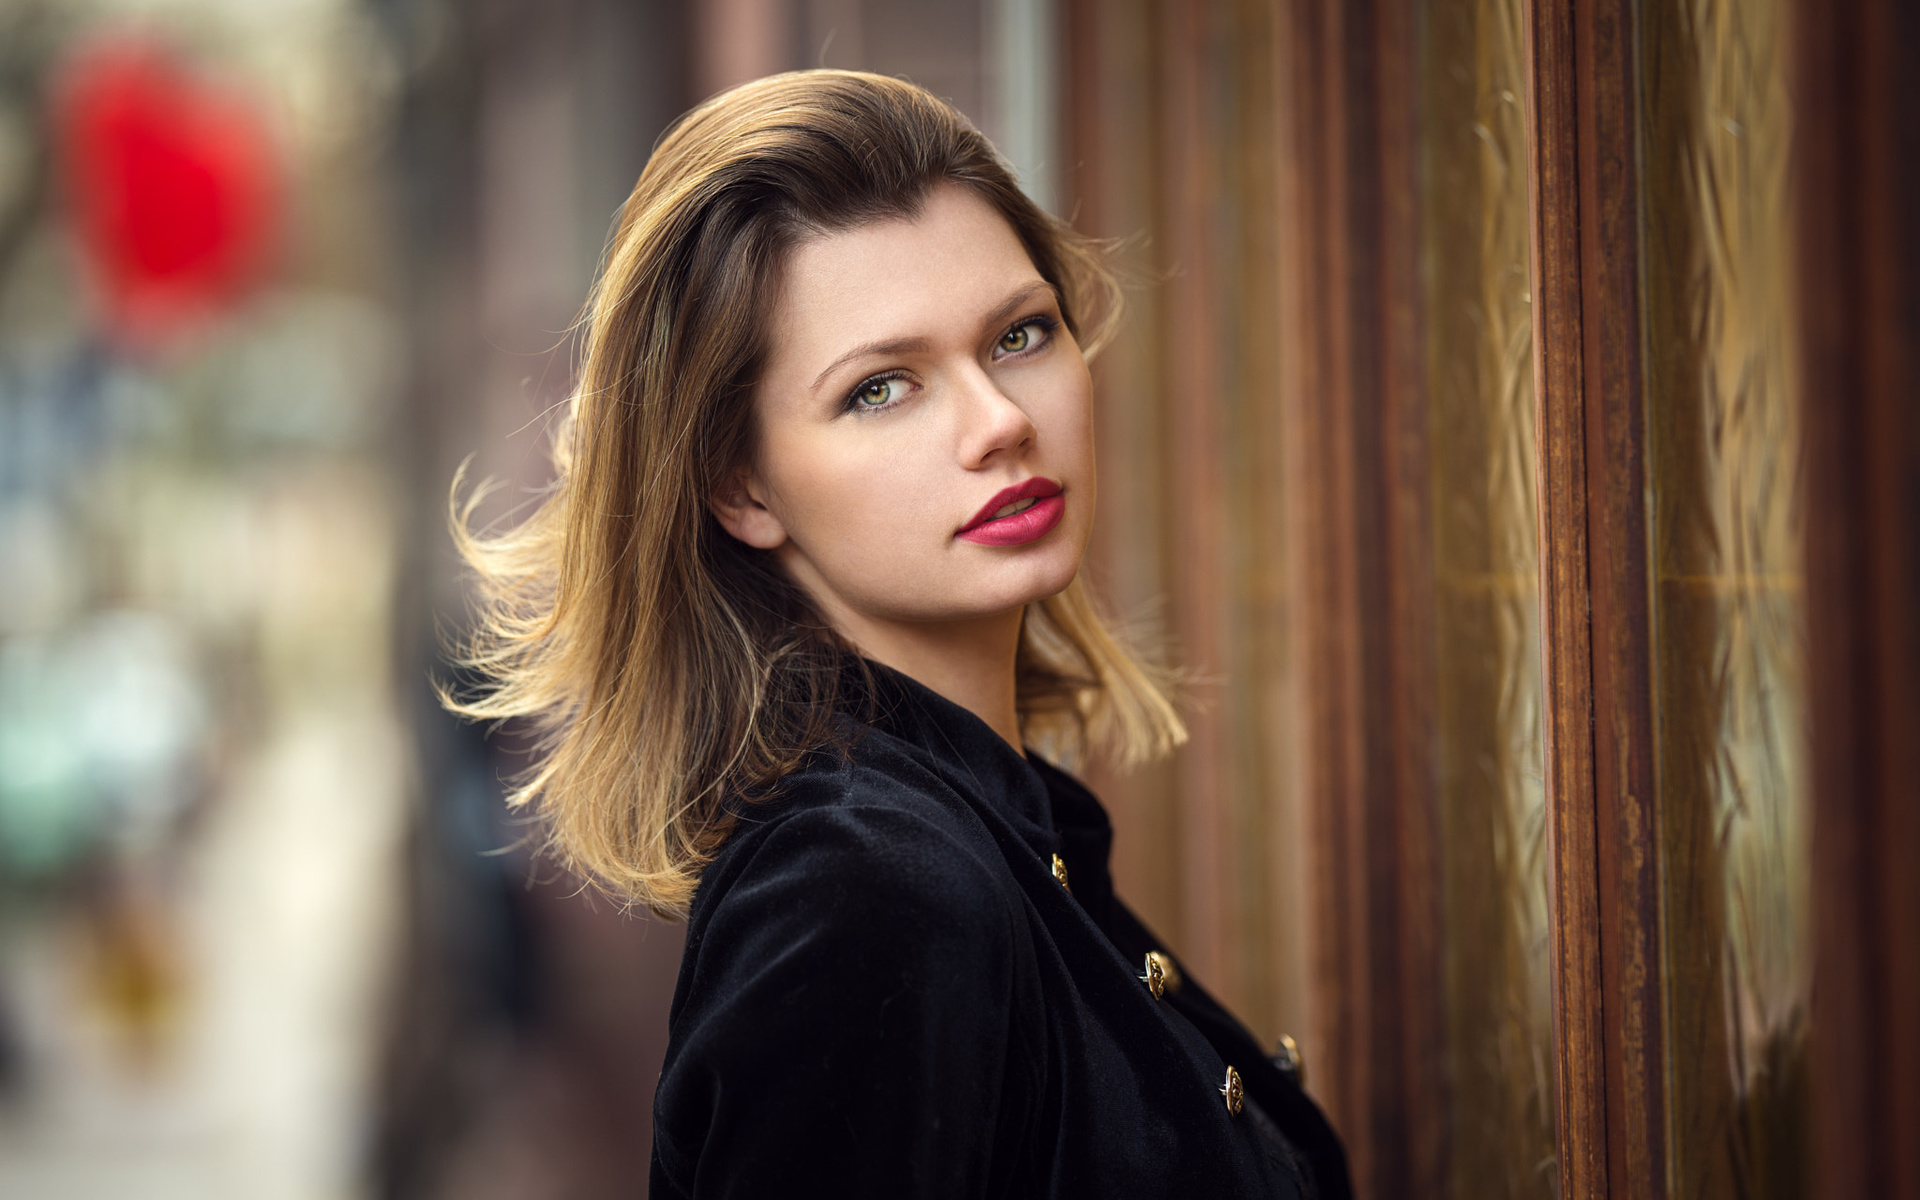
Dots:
pixel 913 345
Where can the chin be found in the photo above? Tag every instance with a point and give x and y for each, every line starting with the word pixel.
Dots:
pixel 1048 577
pixel 1059 583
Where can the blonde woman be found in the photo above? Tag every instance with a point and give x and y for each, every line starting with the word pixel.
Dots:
pixel 801 604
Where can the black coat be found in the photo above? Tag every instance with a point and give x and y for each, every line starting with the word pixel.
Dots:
pixel 887 992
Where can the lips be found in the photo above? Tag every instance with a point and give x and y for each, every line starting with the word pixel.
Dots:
pixel 1017 515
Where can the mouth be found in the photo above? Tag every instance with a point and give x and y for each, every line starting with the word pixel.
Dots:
pixel 1017 515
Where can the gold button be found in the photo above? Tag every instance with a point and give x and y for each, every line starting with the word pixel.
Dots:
pixel 1235 1094
pixel 1162 976
pixel 1169 971
pixel 1288 1059
pixel 1156 976
pixel 1060 873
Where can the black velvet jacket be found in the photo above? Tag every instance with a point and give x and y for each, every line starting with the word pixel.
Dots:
pixel 886 991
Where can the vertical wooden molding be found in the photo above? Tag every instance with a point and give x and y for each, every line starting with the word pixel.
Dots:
pixel 1858 167
pixel 1621 596
pixel 1565 649
pixel 1595 600
pixel 1353 409
pixel 1192 383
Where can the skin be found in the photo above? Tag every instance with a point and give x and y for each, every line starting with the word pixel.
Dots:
pixel 860 505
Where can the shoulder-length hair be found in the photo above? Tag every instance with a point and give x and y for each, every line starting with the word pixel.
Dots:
pixel 669 668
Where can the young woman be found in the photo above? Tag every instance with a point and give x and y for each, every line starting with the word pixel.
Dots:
pixel 804 593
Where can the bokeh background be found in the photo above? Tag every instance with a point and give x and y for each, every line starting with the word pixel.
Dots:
pixel 268 274
pixel 1514 437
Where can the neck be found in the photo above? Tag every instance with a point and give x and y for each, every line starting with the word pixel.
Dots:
pixel 970 663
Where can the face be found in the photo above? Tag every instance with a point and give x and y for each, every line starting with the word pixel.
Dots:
pixel 925 449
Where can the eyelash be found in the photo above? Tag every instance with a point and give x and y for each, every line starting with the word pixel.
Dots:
pixel 1047 325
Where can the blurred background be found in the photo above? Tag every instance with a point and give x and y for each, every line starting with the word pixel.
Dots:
pixel 268 273
pixel 1514 435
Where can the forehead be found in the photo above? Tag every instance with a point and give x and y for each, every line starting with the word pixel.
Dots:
pixel 954 261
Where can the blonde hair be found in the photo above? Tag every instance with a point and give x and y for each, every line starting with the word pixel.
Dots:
pixel 668 667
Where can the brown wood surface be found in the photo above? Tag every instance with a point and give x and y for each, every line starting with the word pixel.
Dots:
pixel 1266 698
pixel 1412 999
pixel 1620 639
pixel 1857 174
pixel 1353 406
pixel 1178 141
pixel 1191 387
pixel 1317 467
pixel 1111 155
pixel 1566 649
pixel 1169 143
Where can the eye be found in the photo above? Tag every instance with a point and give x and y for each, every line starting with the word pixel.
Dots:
pixel 878 392
pixel 1029 334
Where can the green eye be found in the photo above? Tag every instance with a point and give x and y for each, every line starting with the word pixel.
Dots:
pixel 1030 336
pixel 879 392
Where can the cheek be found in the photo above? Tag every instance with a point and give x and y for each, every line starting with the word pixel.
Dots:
pixel 847 500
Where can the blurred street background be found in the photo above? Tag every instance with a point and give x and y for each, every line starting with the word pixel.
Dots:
pixel 268 273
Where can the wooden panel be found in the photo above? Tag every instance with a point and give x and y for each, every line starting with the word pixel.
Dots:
pixel 1353 405
pixel 1169 124
pixel 1113 150
pixel 1389 330
pixel 1322 540
pixel 1857 173
pixel 1272 387
pixel 1596 654
pixel 1191 391
pixel 1268 858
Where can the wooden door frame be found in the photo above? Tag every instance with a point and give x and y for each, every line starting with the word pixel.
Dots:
pixel 1596 605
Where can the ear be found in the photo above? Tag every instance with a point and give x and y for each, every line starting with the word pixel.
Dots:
pixel 740 506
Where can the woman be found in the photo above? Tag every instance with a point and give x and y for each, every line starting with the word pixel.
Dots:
pixel 805 589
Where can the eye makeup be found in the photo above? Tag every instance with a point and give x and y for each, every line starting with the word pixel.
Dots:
pixel 876 394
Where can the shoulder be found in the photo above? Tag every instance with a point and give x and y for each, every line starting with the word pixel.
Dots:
pixel 852 912
pixel 863 839
pixel 856 981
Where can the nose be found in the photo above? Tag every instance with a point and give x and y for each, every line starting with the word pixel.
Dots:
pixel 990 422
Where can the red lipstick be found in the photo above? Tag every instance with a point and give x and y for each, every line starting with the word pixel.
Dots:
pixel 1030 524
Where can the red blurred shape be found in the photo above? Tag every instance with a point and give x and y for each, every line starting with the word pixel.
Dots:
pixel 173 185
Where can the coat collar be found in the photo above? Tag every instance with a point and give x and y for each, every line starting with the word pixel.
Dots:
pixel 1048 809
pixel 961 747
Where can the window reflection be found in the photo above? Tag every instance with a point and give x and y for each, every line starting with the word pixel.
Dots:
pixel 1725 470
pixel 1491 787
